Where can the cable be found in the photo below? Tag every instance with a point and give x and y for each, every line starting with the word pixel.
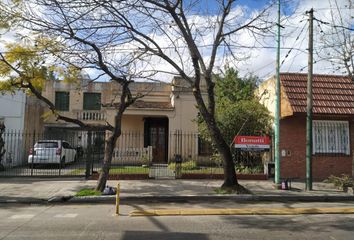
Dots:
pixel 297 38
pixel 332 25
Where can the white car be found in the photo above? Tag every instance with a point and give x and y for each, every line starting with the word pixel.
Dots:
pixel 52 152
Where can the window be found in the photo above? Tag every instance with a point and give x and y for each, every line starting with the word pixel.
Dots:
pixel 330 137
pixel 62 101
pixel 204 147
pixel 46 145
pixel 92 101
pixel 66 145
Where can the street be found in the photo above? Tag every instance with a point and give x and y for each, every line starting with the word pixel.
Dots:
pixel 98 221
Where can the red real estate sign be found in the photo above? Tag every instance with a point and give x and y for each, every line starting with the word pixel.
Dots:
pixel 252 142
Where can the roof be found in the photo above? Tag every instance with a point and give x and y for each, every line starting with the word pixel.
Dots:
pixel 152 105
pixel 332 94
pixel 140 104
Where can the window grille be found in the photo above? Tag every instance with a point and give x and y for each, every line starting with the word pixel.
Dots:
pixel 62 101
pixel 330 137
pixel 92 101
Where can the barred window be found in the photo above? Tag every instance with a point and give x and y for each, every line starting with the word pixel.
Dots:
pixel 92 101
pixel 62 100
pixel 330 137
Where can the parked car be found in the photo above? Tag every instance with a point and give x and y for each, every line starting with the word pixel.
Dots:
pixel 52 152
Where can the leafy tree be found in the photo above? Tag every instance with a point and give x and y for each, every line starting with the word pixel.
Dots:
pixel 238 111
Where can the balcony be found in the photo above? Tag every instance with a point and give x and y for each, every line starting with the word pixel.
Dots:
pixel 91 115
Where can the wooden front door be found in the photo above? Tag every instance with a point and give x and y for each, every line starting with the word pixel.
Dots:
pixel 158 133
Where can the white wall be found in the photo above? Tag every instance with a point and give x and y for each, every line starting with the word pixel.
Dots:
pixel 12 109
pixel 12 112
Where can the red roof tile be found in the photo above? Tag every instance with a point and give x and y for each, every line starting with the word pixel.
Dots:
pixel 152 105
pixel 331 94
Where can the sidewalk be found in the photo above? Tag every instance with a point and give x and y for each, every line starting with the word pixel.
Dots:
pixel 34 190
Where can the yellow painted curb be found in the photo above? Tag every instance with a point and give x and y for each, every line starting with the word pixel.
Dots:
pixel 239 211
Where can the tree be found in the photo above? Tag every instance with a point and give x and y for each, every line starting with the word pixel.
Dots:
pixel 112 35
pixel 23 66
pixel 238 110
pixel 336 37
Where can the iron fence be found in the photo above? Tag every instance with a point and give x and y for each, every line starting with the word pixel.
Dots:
pixel 46 154
pixel 81 153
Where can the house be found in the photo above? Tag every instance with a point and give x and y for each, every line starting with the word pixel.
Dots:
pixel 12 111
pixel 333 124
pixel 154 124
pixel 20 114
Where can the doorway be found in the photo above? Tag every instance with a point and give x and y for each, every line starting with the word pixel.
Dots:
pixel 156 135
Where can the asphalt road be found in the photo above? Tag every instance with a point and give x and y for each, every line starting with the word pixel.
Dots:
pixel 99 222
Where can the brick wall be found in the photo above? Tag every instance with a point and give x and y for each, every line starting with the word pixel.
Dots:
pixel 293 142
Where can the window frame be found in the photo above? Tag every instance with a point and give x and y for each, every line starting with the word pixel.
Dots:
pixel 88 107
pixel 66 105
pixel 330 144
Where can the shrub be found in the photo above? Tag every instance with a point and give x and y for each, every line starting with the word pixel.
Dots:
pixel 189 165
pixel 144 159
pixel 341 182
pixel 87 192
pixel 249 169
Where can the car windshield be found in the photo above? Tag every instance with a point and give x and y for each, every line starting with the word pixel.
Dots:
pixel 46 145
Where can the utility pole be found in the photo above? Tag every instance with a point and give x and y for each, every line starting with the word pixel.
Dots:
pixel 309 107
pixel 277 108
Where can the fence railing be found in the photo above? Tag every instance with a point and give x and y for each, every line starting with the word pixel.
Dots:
pixel 134 153
pixel 91 115
pixel 132 156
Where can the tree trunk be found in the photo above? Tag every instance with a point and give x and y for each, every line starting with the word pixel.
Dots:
pixel 230 179
pixel 112 140
pixel 108 155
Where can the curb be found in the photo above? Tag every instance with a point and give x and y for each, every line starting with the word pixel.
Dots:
pixel 239 211
pixel 210 198
pixel 111 199
pixel 23 201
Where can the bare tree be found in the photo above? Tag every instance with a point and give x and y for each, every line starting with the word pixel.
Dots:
pixel 24 65
pixel 176 37
pixel 337 37
pixel 178 24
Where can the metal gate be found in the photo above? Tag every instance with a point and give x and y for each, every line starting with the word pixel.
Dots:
pixel 51 154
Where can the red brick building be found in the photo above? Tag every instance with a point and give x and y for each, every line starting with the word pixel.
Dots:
pixel 333 124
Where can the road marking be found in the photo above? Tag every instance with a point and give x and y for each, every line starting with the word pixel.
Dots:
pixel 22 216
pixel 240 211
pixel 66 215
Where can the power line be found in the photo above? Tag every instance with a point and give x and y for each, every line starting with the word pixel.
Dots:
pixel 333 25
pixel 290 50
pixel 292 62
